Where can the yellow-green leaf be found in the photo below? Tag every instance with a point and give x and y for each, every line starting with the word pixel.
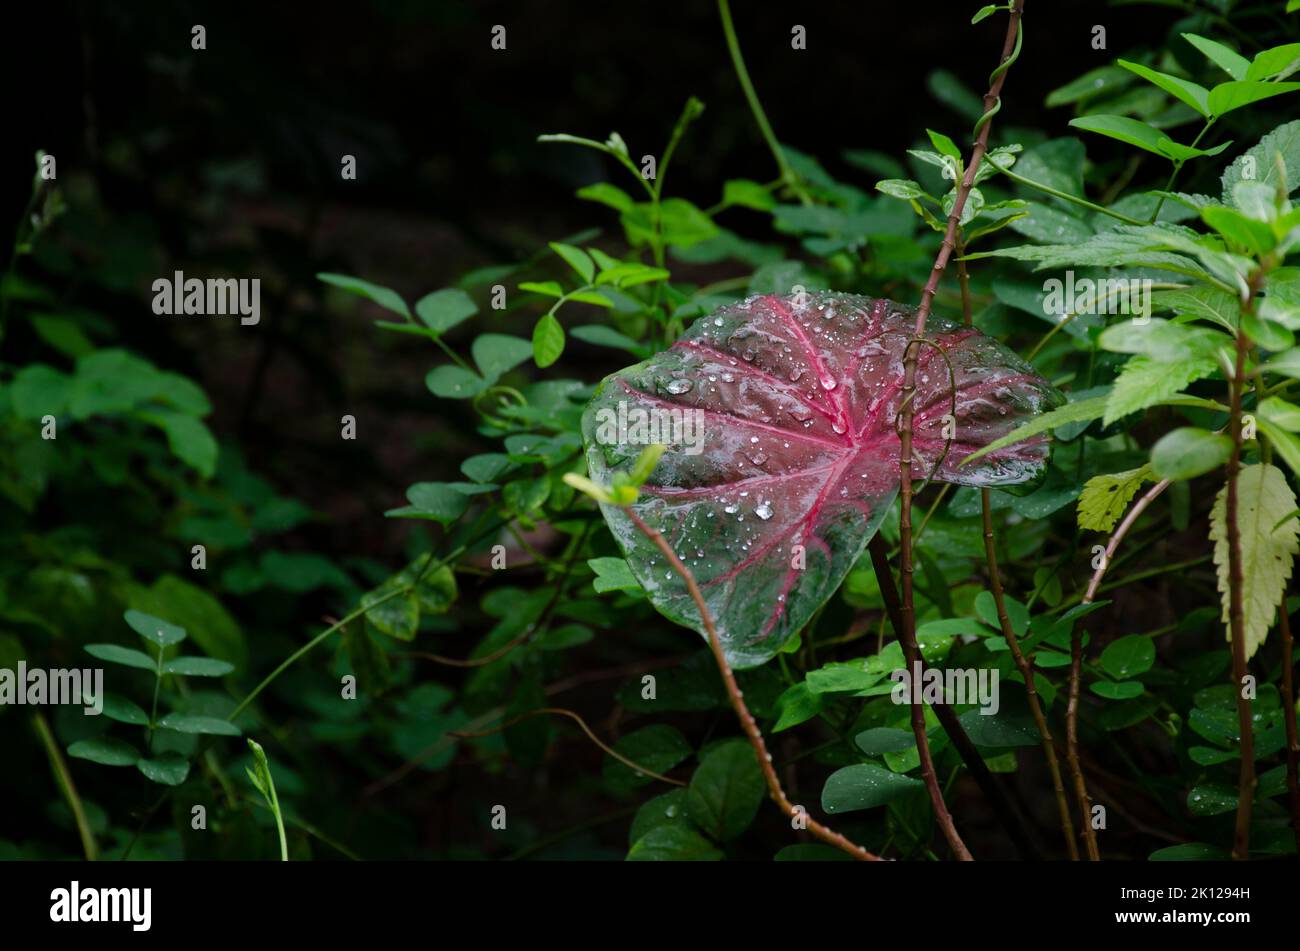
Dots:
pixel 1105 497
pixel 1268 545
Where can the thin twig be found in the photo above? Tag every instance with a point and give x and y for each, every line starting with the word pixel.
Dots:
pixel 1236 613
pixel 1026 668
pixel 1009 816
pixel 63 779
pixel 562 712
pixel 992 102
pixel 1288 711
pixel 747 722
pixel 1076 666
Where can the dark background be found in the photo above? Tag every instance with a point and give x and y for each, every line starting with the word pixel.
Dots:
pixel 227 161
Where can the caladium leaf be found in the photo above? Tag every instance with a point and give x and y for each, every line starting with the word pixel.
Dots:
pixel 783 458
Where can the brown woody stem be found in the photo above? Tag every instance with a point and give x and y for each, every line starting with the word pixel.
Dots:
pixel 1026 669
pixel 907 632
pixel 747 722
pixel 1008 815
pixel 1288 710
pixel 1236 610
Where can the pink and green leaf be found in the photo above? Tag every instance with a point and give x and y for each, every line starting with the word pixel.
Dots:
pixel 791 459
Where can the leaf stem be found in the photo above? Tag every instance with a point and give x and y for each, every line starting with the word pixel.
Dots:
pixel 63 778
pixel 1075 199
pixel 1288 712
pixel 742 74
pixel 1236 609
pixel 747 722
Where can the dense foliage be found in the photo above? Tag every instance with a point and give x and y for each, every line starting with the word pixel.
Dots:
pixel 1126 275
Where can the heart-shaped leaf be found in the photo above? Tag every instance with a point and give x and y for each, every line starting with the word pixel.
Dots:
pixel 783 458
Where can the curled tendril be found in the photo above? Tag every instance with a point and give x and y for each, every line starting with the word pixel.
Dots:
pixel 1005 65
pixel 505 396
pixel 952 402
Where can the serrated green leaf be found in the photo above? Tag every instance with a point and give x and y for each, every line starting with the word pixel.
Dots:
pixel 1268 546
pixel 1106 497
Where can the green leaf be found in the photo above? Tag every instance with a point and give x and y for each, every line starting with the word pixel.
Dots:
pixel 383 296
pixel 154 630
pixel 797 704
pixel 438 501
pixel 38 390
pixel 681 223
pixel 1081 411
pixel 1127 690
pixel 188 438
pixel 726 790
pixel 105 750
pixel 124 711
pixel 168 769
pixel 208 623
pixel 1288 363
pixel 657 747
pixel 1284 141
pixel 1211 799
pixel 1193 94
pixel 950 91
pixel 486 467
pixel 1268 545
pixel 115 654
pixel 612 574
pixel 1190 851
pixel 1232 62
pixel 1188 452
pixel 603 336
pixel 673 843
pixel 1000 730
pixel 496 354
pixel 747 194
pixel 185 723
pixel 607 194
pixel 864 786
pixel 1145 382
pixel 1128 657
pixel 903 188
pixel 444 309
pixel 455 383
pixel 1137 133
pixel 1226 97
pixel 548 340
pixel 197 667
pixel 1255 236
pixel 1106 497
pixel 1162 340
pixel 1269 63
pixel 943 144
pixel 577 259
